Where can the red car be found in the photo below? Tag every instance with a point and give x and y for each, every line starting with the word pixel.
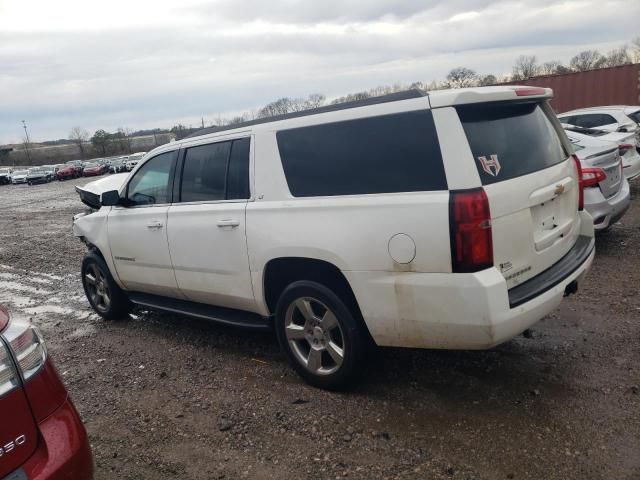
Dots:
pixel 67 172
pixel 94 169
pixel 41 434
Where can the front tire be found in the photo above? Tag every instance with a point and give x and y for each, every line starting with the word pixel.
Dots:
pixel 321 337
pixel 105 296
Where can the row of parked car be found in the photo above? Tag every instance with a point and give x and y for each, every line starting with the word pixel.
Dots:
pixel 69 170
pixel 606 140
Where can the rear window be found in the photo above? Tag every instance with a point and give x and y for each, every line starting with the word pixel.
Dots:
pixel 509 140
pixel 390 153
pixel 635 116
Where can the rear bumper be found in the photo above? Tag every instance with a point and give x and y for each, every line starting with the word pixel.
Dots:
pixel 631 167
pixel 607 211
pixel 63 451
pixel 455 311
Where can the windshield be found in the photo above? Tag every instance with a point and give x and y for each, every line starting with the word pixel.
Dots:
pixel 90 165
pixel 20 172
pixel 4 170
pixel 36 170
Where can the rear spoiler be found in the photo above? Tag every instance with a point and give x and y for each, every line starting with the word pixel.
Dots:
pixel 462 96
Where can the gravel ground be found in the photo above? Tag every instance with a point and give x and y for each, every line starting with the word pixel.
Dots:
pixel 165 396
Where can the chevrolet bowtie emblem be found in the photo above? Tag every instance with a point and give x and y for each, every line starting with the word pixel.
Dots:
pixel 559 189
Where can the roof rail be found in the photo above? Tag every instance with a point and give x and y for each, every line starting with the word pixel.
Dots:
pixel 392 97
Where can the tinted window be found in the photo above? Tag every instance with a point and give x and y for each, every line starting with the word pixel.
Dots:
pixel 150 185
pixel 635 116
pixel 238 174
pixel 204 172
pixel 391 153
pixel 509 140
pixel 217 171
pixel 593 120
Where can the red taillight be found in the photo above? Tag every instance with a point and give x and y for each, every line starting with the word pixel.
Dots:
pixel 624 148
pixel 470 229
pixel 576 161
pixel 591 177
pixel 527 91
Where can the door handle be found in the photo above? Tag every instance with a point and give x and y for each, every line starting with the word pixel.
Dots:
pixel 155 224
pixel 228 222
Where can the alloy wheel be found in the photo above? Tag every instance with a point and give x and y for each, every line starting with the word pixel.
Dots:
pixel 97 288
pixel 315 336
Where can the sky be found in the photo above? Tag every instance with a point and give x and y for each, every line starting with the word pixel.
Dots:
pixel 144 64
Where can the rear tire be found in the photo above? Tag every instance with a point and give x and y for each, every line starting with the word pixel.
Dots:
pixel 105 296
pixel 322 339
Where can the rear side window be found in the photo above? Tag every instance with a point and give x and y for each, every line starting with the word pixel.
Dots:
pixel 592 120
pixel 510 139
pixel 217 171
pixel 390 153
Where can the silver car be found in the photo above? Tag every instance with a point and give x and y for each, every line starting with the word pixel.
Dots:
pixel 606 195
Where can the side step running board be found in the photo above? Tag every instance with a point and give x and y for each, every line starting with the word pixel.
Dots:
pixel 227 316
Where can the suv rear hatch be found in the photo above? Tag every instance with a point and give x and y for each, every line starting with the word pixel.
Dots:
pixel 18 430
pixel 531 182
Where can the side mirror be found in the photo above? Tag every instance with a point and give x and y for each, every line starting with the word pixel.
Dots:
pixel 110 198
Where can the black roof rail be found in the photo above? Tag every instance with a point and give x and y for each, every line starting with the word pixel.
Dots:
pixel 392 97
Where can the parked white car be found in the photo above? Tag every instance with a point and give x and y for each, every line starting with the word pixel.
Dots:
pixel 614 118
pixel 627 144
pixel 19 176
pixel 607 195
pixel 132 160
pixel 450 220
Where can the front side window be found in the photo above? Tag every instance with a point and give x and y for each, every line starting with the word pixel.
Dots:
pixel 151 184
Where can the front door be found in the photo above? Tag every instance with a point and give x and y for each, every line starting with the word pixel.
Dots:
pixel 206 226
pixel 138 229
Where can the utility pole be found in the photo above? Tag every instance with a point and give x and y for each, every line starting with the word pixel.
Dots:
pixel 26 146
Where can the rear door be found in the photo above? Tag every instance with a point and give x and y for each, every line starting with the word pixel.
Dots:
pixel 207 224
pixel 531 183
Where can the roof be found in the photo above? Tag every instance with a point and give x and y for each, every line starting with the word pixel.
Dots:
pixel 392 97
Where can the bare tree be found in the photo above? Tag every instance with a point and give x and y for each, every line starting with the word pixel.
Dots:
pixel 525 67
pixel 79 136
pixel 462 77
pixel 315 100
pixel 635 48
pixel 617 57
pixel 586 60
pixel 487 80
pixel 549 68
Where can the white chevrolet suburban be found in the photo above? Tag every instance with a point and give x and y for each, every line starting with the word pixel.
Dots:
pixel 450 220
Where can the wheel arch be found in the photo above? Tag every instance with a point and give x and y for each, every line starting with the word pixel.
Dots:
pixel 280 272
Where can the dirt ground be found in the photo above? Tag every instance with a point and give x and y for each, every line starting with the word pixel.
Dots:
pixel 165 396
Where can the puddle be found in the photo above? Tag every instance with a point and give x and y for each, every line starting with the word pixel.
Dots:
pixel 9 285
pixel 83 331
pixel 16 300
pixel 49 309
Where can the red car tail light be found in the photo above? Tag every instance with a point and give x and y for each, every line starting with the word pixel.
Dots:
pixel 470 231
pixel 578 165
pixel 8 376
pixel 591 177
pixel 27 352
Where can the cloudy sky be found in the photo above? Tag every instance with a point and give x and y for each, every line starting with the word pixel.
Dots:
pixel 154 63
